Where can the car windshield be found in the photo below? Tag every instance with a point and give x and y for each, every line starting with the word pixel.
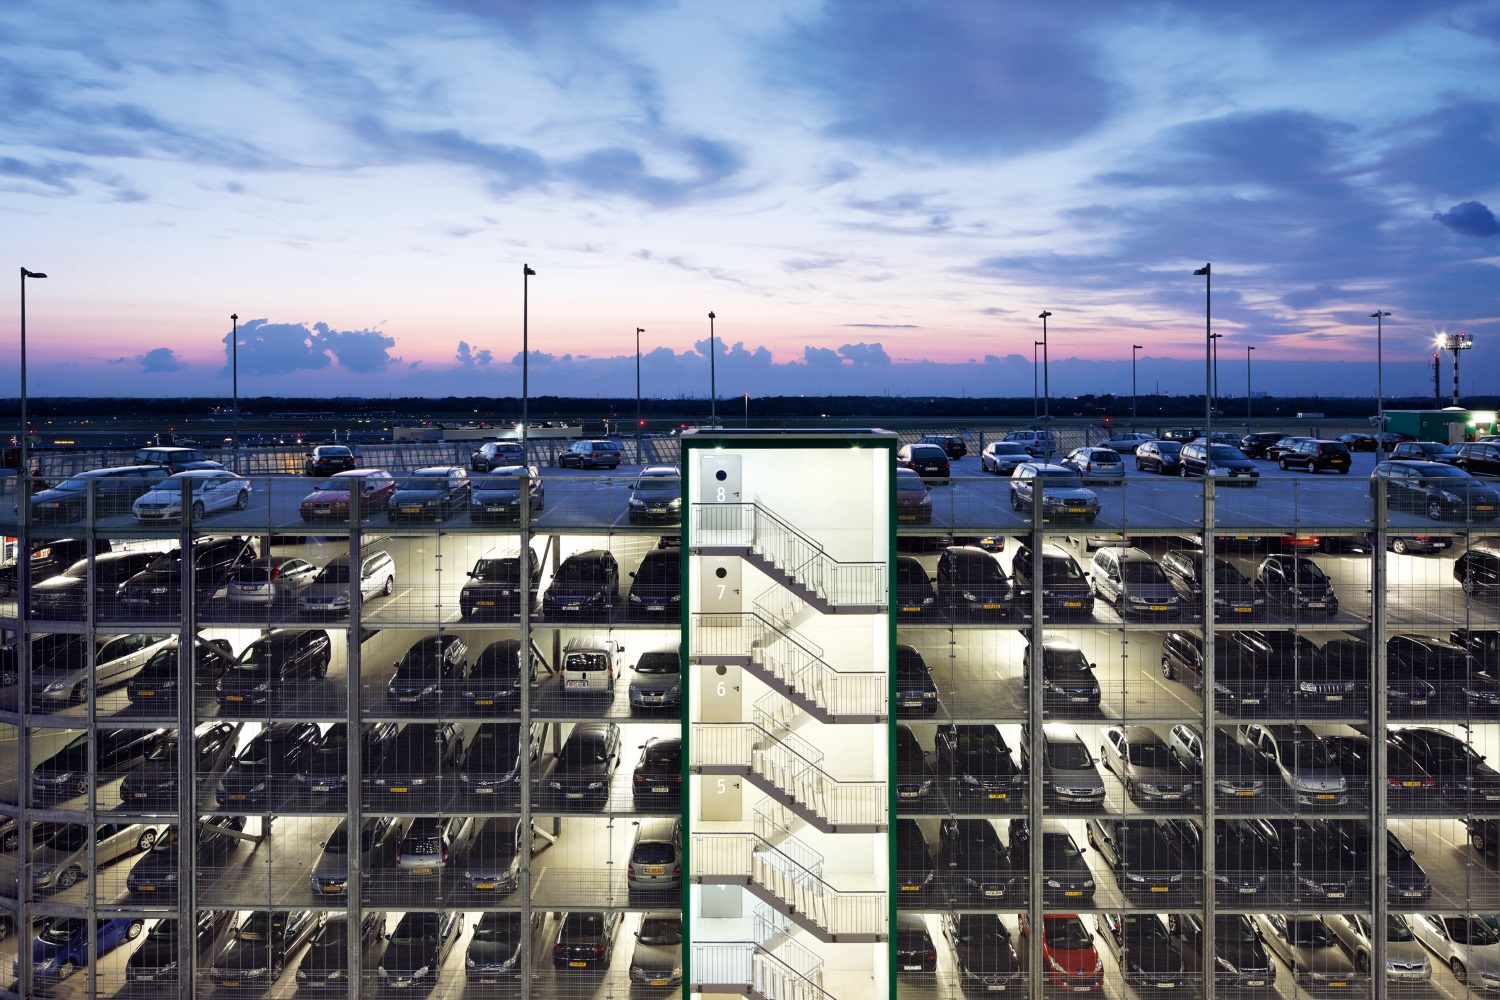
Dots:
pixel 1099 456
pixel 257 928
pixel 334 451
pixel 422 483
pixel 257 658
pixel 498 570
pixel 338 841
pixel 165 750
pixel 1309 933
pixel 581 571
pixel 1071 755
pixel 581 753
pixel 983 739
pixel 1310 572
pixel 661 930
pixel 1060 845
pixel 334 572
pixel 659 571
pixel 1008 448
pixel 1063 570
pixel 1229 574
pixel 1234 929
pixel 1150 755
pixel 659 484
pixel 167 562
pixel 1397 929
pixel 1168 447
pixel 1145 927
pixel 658 663
pixel 1067 934
pixel 333 486
pixel 1067 662
pixel 1226 453
pixel 72 837
pixel 1060 479
pixel 498 928
pixel 76 485
pixel 413 933
pixel 424 661
pixel 980 571
pixel 1311 753
pixel 910 572
pixel 257 753
pixel 1140 572
pixel 509 484
pixel 61 931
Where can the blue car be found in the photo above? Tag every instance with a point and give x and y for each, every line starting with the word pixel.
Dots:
pixel 62 947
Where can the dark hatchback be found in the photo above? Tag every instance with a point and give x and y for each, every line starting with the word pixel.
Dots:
pixel 1143 949
pixel 916 693
pixel 417 949
pixel 586 940
pixel 273 668
pixel 325 966
pixel 1068 679
pixel 977 865
pixel 494 681
pixel 116 752
pixel 915 597
pixel 585 765
pixel 657 780
pixel 423 758
pixel 1462 685
pixel 65 596
pixel 972 584
pixel 927 460
pixel 497 496
pixel 586 585
pixel 1255 445
pixel 154 964
pixel 1140 854
pixel 434 667
pixel 1161 457
pixel 263 770
pixel 1442 492
pixel 916 875
pixel 262 943
pixel 154 782
pixel 1236 597
pixel 494 954
pixel 492 759
pixel 155 686
pixel 157 589
pixel 1295 585
pixel 1463 777
pixel 1223 463
pixel 1316 456
pixel 656 586
pixel 1065 587
pixel 1239 688
pixel 914 779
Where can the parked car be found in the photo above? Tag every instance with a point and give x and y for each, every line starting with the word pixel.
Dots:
pixel 1237 772
pixel 1358 442
pixel 433 493
pixel 1068 773
pixel 273 666
pixel 62 947
pixel 116 752
pixel 1002 457
pixel 1128 579
pixel 1254 445
pixel 1143 949
pixel 656 782
pixel 154 964
pixel 433 668
pixel 257 952
pixel 1462 775
pixel 1096 465
pixel 417 949
pixel 209 489
pixel 325 776
pixel 1477 570
pixel 983 952
pixel 1068 953
pixel 494 954
pixel 1161 457
pixel 927 460
pixel 915 597
pixel 1144 764
pixel 157 589
pixel 1038 444
pixel 493 756
pixel 586 585
pixel 976 864
pixel 586 764
pixel 1065 586
pixel 326 459
pixel 592 453
pixel 428 843
pixel 1482 644
pixel 325 964
pixel 494 454
pixel 1425 451
pixel 61 673
pixel 494 681
pixel 1316 455
pixel 273 758
pixel 1307 945
pixel 496 497
pixel 1065 875
pixel 494 585
pixel 978 763
pixel 1126 442
pixel 177 458
pixel 376 840
pixel 1462 686
pixel 916 692
pixel 63 860
pixel 155 875
pixel 656 680
pixel 913 498
pixel 1068 679
pixel 916 875
pixel 1407 884
pixel 914 778
pixel 1405 960
pixel 153 783
pixel 115 491
pixel 1225 464
pixel 1468 945
pixel 656 586
pixel 654 864
pixel 423 760
pixel 1236 597
pixel 953 445
pixel 329 500
pixel 156 683
pixel 65 596
pixel 1243 864
pixel 1303 682
pixel 585 939
pixel 1297 754
pixel 591 664
pixel 1442 492
pixel 330 591
pixel 1063 492
pixel 1295 585
pixel 656 496
pixel 492 863
pixel 271 580
pixel 1478 458
pixel 915 953
pixel 1239 949
pixel 971 584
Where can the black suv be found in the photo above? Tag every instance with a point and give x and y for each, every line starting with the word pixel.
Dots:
pixel 656 586
pixel 263 941
pixel 953 446
pixel 1477 570
pixel 977 762
pixel 272 667
pixel 494 586
pixel 117 752
pixel 325 777
pixel 261 774
pixel 434 666
pixel 1408 693
pixel 65 596
pixel 585 765
pixel 977 865
pixel 657 780
pixel 1303 681
pixel 972 585
pixel 423 759
pixel 1296 585
pixel 1236 597
pixel 492 759
pixel 157 589
pixel 1239 689
pixel 1065 587
pixel 1316 456
pixel 1141 857
pixel 586 585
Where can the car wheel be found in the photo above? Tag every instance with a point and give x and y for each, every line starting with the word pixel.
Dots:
pixel 134 930
pixel 1398 546
pixel 12 841
pixel 1015 501
pixel 1467 583
pixel 277 967
pixel 1166 669
pixel 1182 471
pixel 198 509
pixel 1434 510
pixel 1477 841
pixel 1459 972
pixel 66 970
pixel 1362 963
pixel 1282 465
pixel 4 928
pixel 242 501
pixel 145 841
pixel 389 588
pixel 69 877
pixel 1343 472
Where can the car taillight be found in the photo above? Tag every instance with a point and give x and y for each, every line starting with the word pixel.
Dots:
pixel 275 573
pixel 931 955
pixel 557 949
pixel 677 870
pixel 445 855
pixel 640 779
pixel 598 949
pixel 630 869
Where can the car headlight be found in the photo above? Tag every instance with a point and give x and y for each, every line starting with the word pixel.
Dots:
pixel 1450 497
pixel 1053 883
pixel 677 502
pixel 1133 877
pixel 58 687
pixel 637 503
pixel 969 596
pixel 262 688
pixel 1055 964
pixel 44 871
pixel 1088 883
pixel 1098 965
pixel 1221 688
pixel 48 963
pixel 595 784
pixel 1226 964
pixel 254 973
pixel 258 787
pixel 1053 501
pixel 424 970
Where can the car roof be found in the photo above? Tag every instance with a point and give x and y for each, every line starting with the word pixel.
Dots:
pixel 437 470
pixel 661 470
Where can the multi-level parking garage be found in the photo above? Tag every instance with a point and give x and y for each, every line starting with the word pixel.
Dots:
pixel 1282 856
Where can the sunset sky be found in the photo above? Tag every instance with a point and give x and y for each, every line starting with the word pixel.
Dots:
pixel 872 196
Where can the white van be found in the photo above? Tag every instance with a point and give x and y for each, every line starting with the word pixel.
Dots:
pixel 590 664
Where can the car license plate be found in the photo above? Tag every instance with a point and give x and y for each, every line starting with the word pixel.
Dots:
pixel 1335 895
pixel 1158 607
pixel 399 788
pixel 911 702
pixel 146 694
pixel 485 604
pixel 1246 890
pixel 411 510
pixel 993 607
pixel 655 869
pixel 1073 892
pixel 1249 701
pixel 1335 697
pixel 906 517
pixel 1322 796
pixel 998 795
pixel 907 795
pixel 912 968
pixel 484 701
pixel 408 697
pixel 1412 892
pixel 1243 792
pixel 1419 701
pixel 578 965
pixel 322 788
pixel 484 885
pixel 656 607
pixel 910 888
pixel 658 982
pixel 1484 506
pixel 1255 982
pixel 910 607
pixel 1492 798
pixel 574 795
pixel 1079 699
pixel 1072 604
pixel 572 607
pixel 231 982
pixel 1317 604
pixel 236 697
pixel 420 871
pixel 660 789
pixel 1338 982
pixel 140 795
pixel 1242 610
pixel 1165 986
pixel 236 797
pixel 1083 989
pixel 1411 784
pixel 147 888
pixel 1077 510
pixel 994 892
pixel 995 987
pixel 1161 888
pixel 332 888
pixel 484 791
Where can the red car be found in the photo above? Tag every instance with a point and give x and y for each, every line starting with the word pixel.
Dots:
pixel 1068 952
pixel 329 500
pixel 913 498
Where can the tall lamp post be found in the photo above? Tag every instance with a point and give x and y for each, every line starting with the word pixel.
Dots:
pixel 1034 345
pixel 1208 365
pixel 234 368
pixel 1214 339
pixel 1455 342
pixel 1046 382
pixel 713 391
pixel 1379 317
pixel 638 332
pixel 747 409
pixel 1248 349
pixel 526 272
pixel 24 494
pixel 1133 349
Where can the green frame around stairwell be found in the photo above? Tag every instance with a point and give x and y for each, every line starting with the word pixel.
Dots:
pixel 708 439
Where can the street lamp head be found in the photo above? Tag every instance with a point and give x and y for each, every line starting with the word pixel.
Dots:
pixel 1043 314
pixel 640 329
pixel 1204 270
pixel 31 274
pixel 1138 347
pixel 526 271
pixel 1249 347
pixel 235 317
pixel 712 316
pixel 1377 314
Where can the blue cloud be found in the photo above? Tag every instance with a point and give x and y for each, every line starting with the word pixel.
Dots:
pixel 1450 151
pixel 157 360
pixel 1282 149
pixel 267 348
pixel 1470 218
pixel 622 171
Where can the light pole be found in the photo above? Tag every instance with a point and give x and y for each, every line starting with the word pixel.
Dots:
pixel 1208 367
pixel 1046 381
pixel 526 272
pixel 1248 349
pixel 1133 349
pixel 1034 345
pixel 1214 339
pixel 713 391
pixel 638 332
pixel 1379 317
pixel 747 409
pixel 23 495
pixel 234 368
pixel 1455 342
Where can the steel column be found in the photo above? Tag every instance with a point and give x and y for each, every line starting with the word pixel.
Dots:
pixel 1379 712
pixel 354 749
pixel 526 956
pixel 1035 873
pixel 1210 764
pixel 187 778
